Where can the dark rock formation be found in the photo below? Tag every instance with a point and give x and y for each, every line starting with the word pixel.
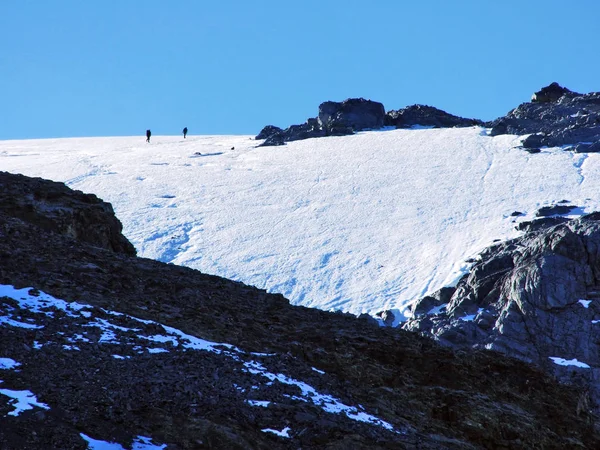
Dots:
pixel 560 209
pixel 267 131
pixel 534 298
pixel 334 119
pixel 432 396
pixel 538 224
pixel 354 114
pixel 427 116
pixel 551 93
pixel 555 117
pixel 59 209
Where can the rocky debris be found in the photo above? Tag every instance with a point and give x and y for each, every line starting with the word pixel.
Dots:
pixel 334 119
pixel 427 116
pixel 59 209
pixel 432 396
pixel 555 117
pixel 534 298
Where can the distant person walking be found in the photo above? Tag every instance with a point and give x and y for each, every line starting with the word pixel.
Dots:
pixel 148 134
pixel 184 132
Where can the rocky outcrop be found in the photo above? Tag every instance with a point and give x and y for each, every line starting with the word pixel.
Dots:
pixel 55 207
pixel 267 131
pixel 555 117
pixel 278 367
pixel 427 116
pixel 334 119
pixel 536 298
pixel 354 114
pixel 552 93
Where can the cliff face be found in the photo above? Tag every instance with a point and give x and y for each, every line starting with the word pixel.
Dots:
pixel 536 298
pixel 161 352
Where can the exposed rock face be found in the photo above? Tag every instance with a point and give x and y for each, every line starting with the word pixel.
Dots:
pixel 534 298
pixel 353 114
pixel 334 119
pixel 427 116
pixel 59 209
pixel 432 396
pixel 551 93
pixel 556 116
pixel 267 131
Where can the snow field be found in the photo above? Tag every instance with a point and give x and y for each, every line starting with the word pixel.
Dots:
pixel 358 223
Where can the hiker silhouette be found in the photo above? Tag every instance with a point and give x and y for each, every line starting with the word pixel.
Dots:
pixel 184 132
pixel 148 134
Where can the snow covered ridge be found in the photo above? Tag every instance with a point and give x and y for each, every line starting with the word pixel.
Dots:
pixel 83 325
pixel 361 223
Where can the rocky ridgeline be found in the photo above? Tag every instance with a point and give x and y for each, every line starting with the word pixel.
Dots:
pixel 133 364
pixel 555 117
pixel 56 208
pixel 357 114
pixel 536 298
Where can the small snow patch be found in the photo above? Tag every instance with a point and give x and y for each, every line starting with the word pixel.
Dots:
pixel 263 403
pixel 437 309
pixel 145 443
pixel 22 401
pixel 157 350
pixel 283 433
pixel 585 303
pixel 8 363
pixel 94 444
pixel 16 323
pixel 566 362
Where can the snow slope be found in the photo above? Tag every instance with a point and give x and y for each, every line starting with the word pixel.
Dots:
pixel 358 223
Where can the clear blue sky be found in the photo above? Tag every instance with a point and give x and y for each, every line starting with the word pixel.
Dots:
pixel 118 67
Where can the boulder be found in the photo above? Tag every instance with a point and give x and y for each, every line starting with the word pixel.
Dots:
pixel 267 132
pixel 352 114
pixel 387 317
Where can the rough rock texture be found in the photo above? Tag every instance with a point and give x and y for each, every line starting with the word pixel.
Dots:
pixel 535 298
pixel 433 397
pixel 334 119
pixel 267 131
pixel 552 93
pixel 353 114
pixel 56 208
pixel 427 116
pixel 556 116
